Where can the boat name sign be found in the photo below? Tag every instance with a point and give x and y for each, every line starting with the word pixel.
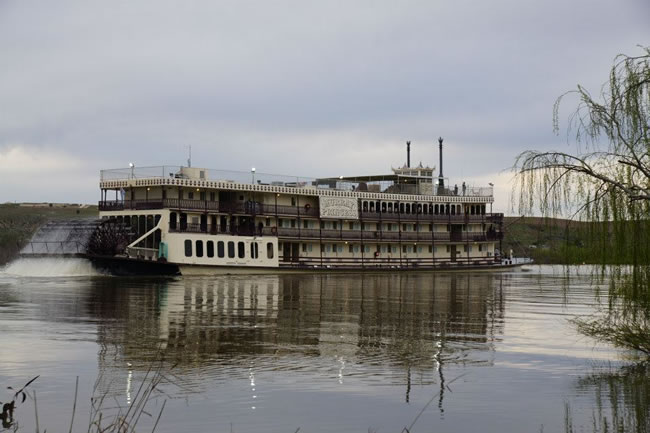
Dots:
pixel 339 208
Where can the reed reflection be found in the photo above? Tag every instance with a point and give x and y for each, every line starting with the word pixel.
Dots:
pixel 622 400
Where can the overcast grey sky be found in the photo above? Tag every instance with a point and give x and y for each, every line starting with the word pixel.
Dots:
pixel 292 87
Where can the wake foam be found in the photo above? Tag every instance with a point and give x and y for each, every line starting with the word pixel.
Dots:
pixel 50 267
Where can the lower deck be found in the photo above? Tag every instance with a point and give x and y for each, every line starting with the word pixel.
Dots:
pixel 154 236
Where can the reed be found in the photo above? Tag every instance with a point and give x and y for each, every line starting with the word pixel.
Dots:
pixel 104 419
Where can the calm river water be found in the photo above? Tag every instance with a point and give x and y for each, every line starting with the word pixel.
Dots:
pixel 488 352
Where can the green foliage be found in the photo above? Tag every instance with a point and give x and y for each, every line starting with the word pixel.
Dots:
pixel 561 241
pixel 605 182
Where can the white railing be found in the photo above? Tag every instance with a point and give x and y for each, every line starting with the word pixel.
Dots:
pixel 378 184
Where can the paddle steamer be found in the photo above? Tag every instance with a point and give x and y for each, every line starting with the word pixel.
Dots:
pixel 212 221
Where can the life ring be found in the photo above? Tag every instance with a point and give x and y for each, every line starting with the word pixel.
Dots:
pixel 274 231
pixel 307 207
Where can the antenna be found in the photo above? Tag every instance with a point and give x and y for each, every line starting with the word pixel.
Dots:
pixel 189 160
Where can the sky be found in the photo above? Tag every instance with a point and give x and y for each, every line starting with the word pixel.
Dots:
pixel 304 88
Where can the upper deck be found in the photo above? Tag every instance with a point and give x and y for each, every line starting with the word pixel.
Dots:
pixel 398 187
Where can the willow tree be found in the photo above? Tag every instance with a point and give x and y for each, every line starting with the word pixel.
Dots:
pixel 604 180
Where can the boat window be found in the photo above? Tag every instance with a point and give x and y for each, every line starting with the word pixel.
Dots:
pixel 199 248
pixel 210 248
pixel 401 208
pixel 254 250
pixel 231 249
pixel 188 248
pixel 241 250
pixel 220 250
pixel 269 250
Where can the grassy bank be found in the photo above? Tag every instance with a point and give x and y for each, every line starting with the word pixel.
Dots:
pixel 19 222
pixel 558 241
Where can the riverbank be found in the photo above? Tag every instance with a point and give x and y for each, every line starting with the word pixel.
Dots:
pixel 555 241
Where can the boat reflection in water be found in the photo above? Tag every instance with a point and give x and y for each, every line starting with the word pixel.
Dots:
pixel 379 328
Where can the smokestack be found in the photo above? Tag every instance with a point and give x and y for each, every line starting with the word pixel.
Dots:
pixel 441 181
pixel 408 154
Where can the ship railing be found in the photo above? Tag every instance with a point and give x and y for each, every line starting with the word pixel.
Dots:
pixel 143 253
pixel 421 217
pixel 54 248
pixel 388 261
pixel 255 208
pixel 334 234
pixel 378 184
pixel 181 227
